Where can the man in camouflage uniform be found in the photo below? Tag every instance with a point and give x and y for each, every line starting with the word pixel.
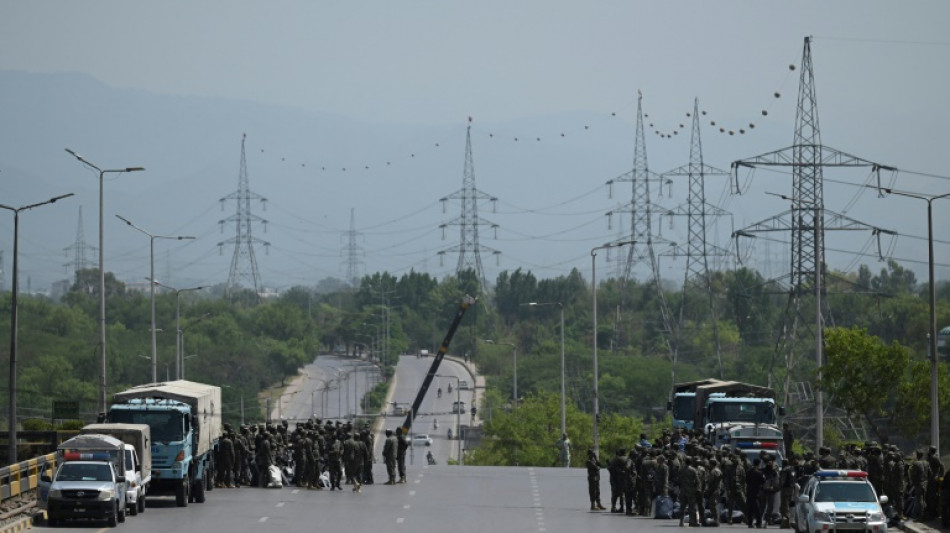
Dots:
pixel 661 481
pixel 714 489
pixel 875 467
pixel 919 475
pixel 593 481
pixel 737 491
pixel 787 477
pixel 615 468
pixel 354 454
pixel 335 460
pixel 369 442
pixel 402 445
pixel 895 482
pixel 301 467
pixel 933 482
pixel 629 482
pixel 389 456
pixel 689 492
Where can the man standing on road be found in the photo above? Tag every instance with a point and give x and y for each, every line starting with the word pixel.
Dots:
pixel 593 481
pixel 564 448
pixel 354 452
pixel 402 444
pixel 389 457
pixel 754 480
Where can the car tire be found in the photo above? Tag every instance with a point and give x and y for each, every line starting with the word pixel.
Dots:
pixel 50 521
pixel 134 509
pixel 141 503
pixel 113 519
pixel 122 515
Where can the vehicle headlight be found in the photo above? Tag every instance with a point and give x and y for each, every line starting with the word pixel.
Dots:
pixel 106 495
pixel 876 516
pixel 822 517
pixel 55 493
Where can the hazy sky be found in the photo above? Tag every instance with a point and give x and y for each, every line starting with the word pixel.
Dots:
pixel 882 76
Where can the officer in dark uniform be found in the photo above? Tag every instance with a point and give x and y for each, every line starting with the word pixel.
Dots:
pixel 593 480
pixel 389 456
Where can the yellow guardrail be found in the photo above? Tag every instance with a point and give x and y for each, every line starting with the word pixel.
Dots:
pixel 23 477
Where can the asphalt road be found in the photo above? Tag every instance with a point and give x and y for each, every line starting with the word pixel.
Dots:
pixel 436 499
pixel 329 387
pixel 410 372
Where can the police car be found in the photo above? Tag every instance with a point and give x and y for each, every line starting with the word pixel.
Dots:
pixel 839 500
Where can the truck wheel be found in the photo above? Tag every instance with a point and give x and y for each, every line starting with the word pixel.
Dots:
pixel 113 517
pixel 199 491
pixel 181 493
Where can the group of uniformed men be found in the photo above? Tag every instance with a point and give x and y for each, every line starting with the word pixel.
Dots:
pixel 314 455
pixel 686 469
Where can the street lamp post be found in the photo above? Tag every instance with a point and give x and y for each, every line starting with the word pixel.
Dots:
pixel 514 369
pixel 151 239
pixel 458 413
pixel 13 316
pixel 102 273
pixel 179 337
pixel 593 280
pixel 563 394
pixel 934 405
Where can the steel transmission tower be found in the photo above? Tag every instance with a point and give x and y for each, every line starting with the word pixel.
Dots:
pixel 78 249
pixel 807 220
pixel 468 248
pixel 244 271
pixel 353 252
pixel 641 225
pixel 698 248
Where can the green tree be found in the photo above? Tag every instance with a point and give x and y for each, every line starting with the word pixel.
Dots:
pixel 863 374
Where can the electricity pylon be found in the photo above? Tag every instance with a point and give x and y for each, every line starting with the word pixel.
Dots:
pixel 244 271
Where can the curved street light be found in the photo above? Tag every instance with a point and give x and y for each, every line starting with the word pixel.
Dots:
pixel 13 316
pixel 102 273
pixel 151 239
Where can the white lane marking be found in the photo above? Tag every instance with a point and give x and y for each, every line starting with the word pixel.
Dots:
pixel 280 504
pixel 406 506
pixel 417 481
pixel 412 493
pixel 400 520
pixel 263 519
pixel 295 491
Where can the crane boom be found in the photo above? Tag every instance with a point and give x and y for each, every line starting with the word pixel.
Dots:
pixel 434 368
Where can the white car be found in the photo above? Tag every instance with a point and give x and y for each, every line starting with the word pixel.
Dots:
pixel 839 500
pixel 422 439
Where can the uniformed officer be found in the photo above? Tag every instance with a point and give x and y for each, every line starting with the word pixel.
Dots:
pixel 689 492
pixel 593 480
pixel 389 456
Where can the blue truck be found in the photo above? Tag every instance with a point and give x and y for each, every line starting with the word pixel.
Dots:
pixel 185 420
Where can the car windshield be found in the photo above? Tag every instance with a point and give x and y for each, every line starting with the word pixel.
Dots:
pixel 844 491
pixel 85 472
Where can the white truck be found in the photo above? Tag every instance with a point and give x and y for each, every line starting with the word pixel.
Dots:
pixel 138 458
pixel 88 483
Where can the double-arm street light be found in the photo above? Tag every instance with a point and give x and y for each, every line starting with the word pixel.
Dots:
pixel 179 345
pixel 151 240
pixel 563 404
pixel 13 316
pixel 593 281
pixel 458 412
pixel 514 369
pixel 102 274
pixel 934 405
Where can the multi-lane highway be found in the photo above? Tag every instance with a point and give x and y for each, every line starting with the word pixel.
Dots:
pixel 436 499
pixel 329 387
